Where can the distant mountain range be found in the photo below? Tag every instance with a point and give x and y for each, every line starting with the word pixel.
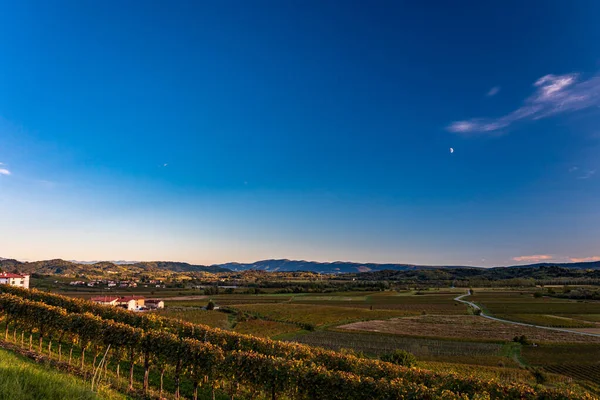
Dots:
pixel 117 262
pixel 352 267
pixel 63 267
pixel 324 267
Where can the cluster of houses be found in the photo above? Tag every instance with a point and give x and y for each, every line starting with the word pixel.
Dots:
pixel 111 284
pixel 132 303
pixel 19 280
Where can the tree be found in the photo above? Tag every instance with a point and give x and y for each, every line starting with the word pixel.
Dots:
pixel 399 357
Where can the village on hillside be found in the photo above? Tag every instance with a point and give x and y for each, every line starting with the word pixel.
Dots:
pixel 132 303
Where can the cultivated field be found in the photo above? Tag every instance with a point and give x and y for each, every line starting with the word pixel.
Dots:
pixel 316 315
pixel 262 328
pixel 465 326
pixel 375 344
pixel 443 334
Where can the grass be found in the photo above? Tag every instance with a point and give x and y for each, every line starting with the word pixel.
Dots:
pixel 22 379
pixel 317 315
pixel 434 302
pixel 523 302
pixel 585 317
pixel 431 302
pixel 546 320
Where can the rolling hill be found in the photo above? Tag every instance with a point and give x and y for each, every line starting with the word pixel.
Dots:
pixel 68 268
pixel 62 267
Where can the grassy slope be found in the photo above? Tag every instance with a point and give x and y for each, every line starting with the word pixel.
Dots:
pixel 22 379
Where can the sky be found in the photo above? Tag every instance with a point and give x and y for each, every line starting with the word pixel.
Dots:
pixel 448 133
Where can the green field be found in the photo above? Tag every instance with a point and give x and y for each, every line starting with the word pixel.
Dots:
pixel 23 379
pixel 553 321
pixel 523 302
pixel 317 315
pixel 431 302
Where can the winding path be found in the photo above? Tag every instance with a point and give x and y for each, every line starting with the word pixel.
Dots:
pixel 482 314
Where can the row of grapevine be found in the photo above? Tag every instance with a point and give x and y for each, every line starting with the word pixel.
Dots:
pixel 204 362
pixel 231 343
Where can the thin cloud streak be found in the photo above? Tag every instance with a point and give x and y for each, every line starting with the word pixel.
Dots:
pixel 533 258
pixel 493 91
pixel 585 259
pixel 587 174
pixel 4 171
pixel 554 94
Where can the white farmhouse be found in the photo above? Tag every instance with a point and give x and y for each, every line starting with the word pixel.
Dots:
pixel 7 278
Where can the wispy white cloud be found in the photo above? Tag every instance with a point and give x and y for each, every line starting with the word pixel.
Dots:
pixel 587 174
pixel 4 171
pixel 533 258
pixel 573 169
pixel 554 94
pixel 585 259
pixel 493 91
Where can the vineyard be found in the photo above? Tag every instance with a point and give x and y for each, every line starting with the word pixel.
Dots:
pixel 240 365
pixel 316 315
pixel 579 361
pixel 376 344
pixel 546 320
pixel 211 318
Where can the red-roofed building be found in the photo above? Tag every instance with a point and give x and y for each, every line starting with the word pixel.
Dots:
pixel 7 278
pixel 106 300
pixel 154 304
pixel 131 302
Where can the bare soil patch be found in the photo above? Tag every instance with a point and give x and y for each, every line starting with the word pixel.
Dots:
pixel 465 327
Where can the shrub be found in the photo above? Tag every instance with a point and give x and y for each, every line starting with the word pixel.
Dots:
pixel 540 377
pixel 521 339
pixel 210 306
pixel 399 357
pixel 308 327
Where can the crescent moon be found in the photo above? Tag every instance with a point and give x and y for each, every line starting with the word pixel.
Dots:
pixel 451 150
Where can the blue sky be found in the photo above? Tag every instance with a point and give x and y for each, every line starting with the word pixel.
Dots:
pixel 235 131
